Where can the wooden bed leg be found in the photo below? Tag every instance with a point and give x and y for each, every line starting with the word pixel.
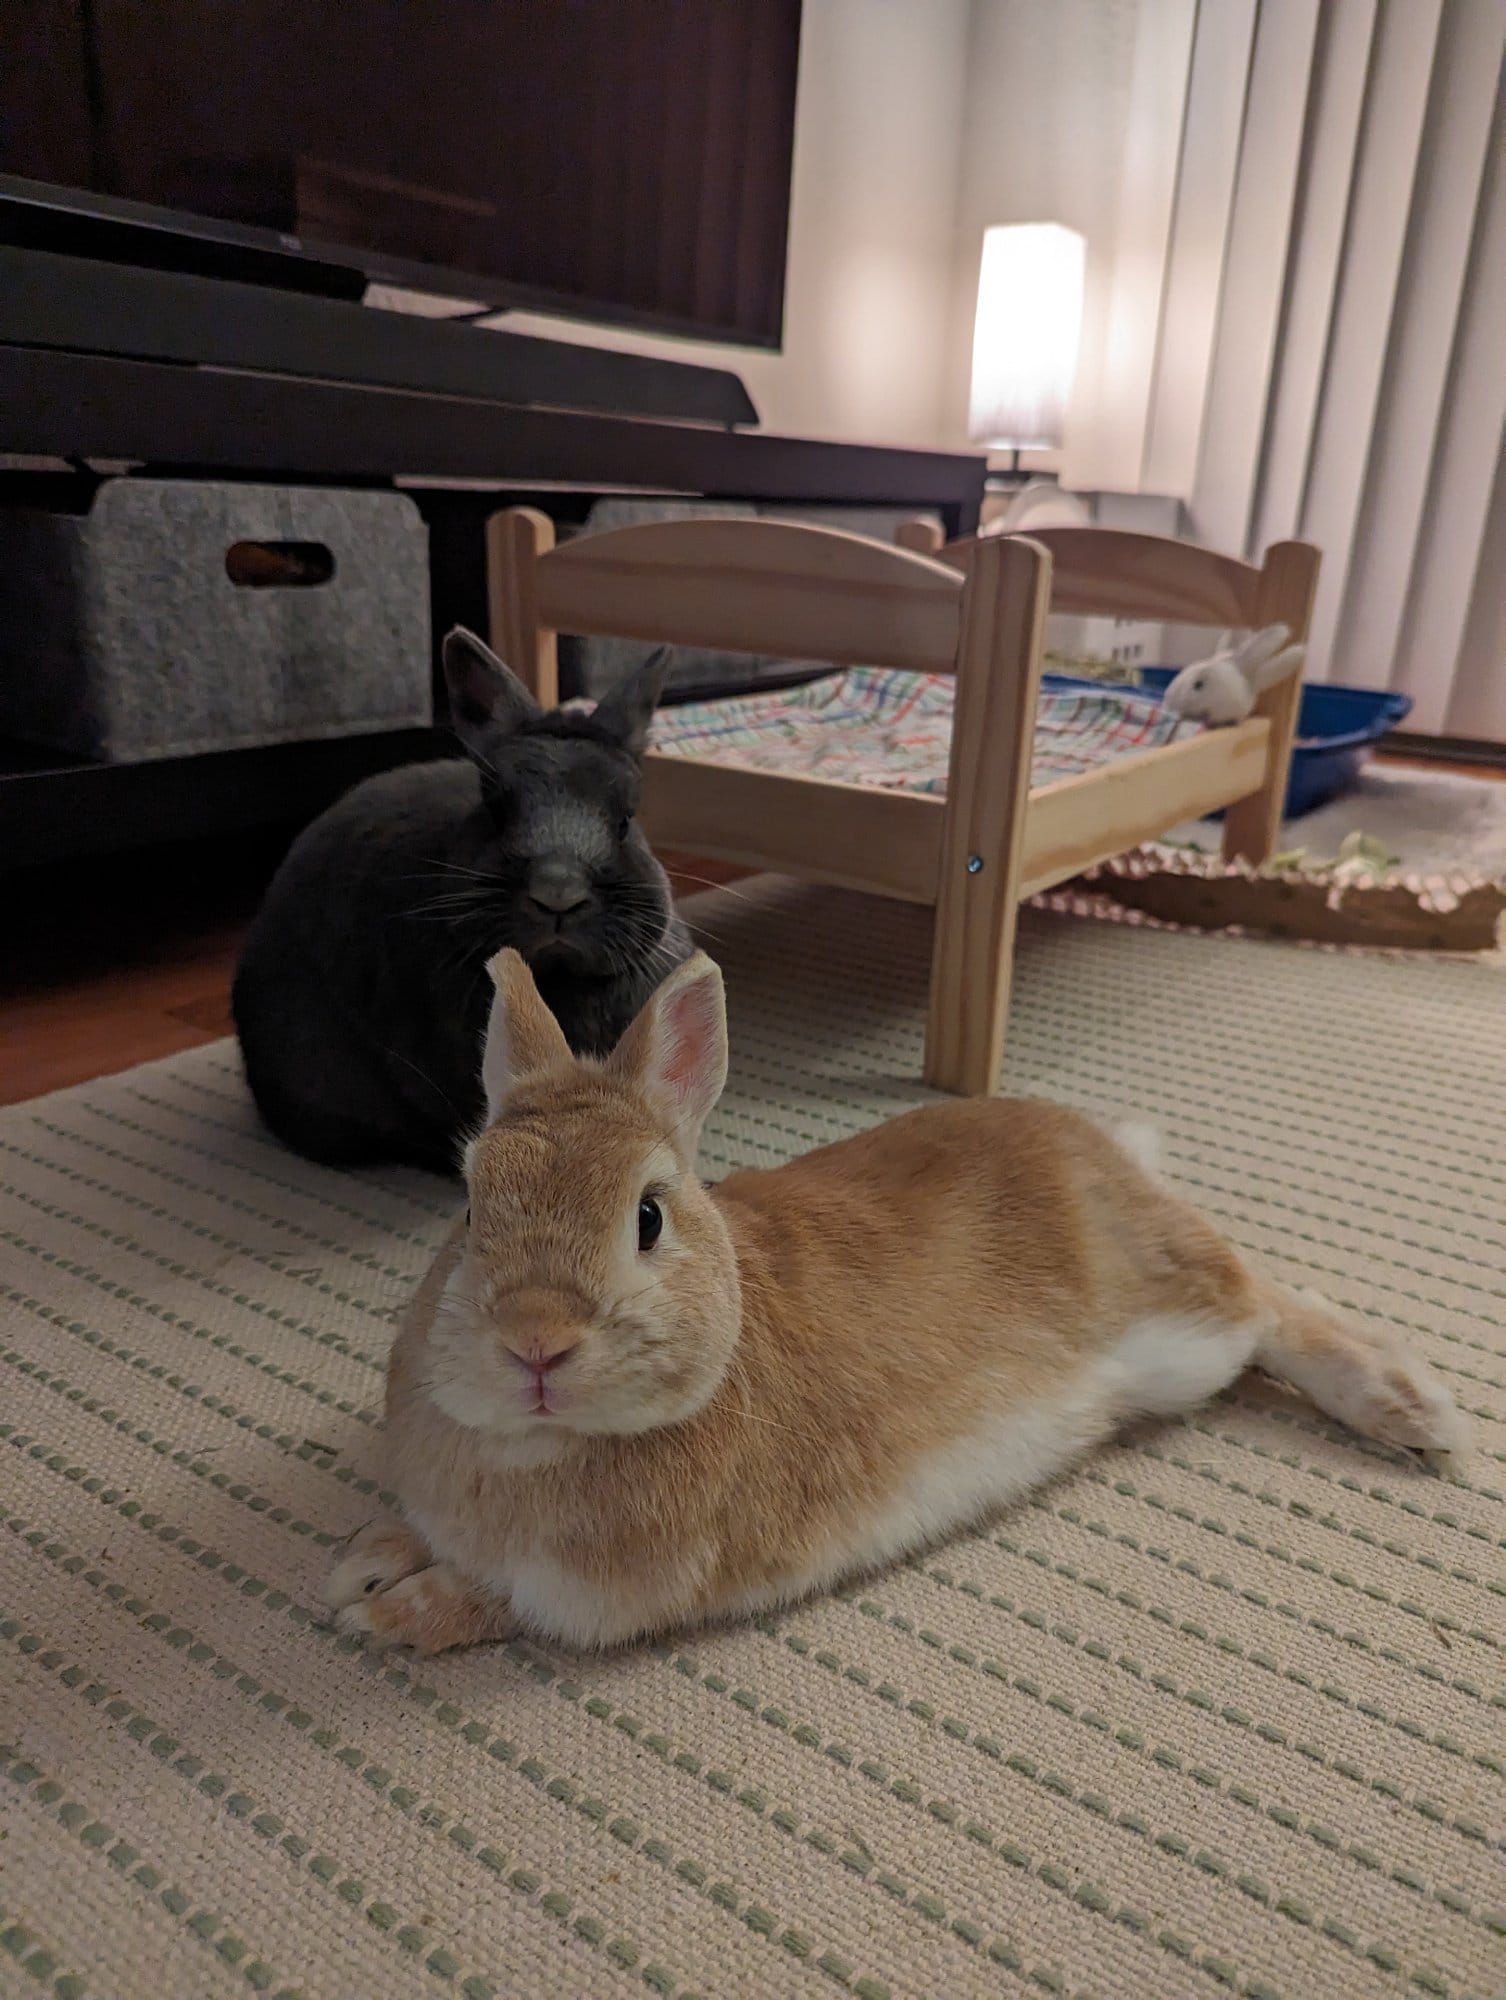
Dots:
pixel 1288 584
pixel 988 790
pixel 515 540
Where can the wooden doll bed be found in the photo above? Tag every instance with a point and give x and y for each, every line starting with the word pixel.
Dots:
pixel 977 611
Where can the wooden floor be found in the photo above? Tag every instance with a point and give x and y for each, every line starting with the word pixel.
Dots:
pixel 117 962
pixel 108 964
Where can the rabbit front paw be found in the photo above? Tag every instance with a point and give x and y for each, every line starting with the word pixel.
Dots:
pixel 376 1557
pixel 434 1610
pixel 389 1590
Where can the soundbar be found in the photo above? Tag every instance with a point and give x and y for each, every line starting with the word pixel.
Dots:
pixel 91 305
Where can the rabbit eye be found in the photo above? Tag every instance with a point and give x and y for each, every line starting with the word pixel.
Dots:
pixel 650 1222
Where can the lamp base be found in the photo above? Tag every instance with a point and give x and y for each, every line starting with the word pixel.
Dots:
pixel 1007 478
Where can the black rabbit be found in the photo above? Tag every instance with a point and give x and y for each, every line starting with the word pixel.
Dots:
pixel 361 997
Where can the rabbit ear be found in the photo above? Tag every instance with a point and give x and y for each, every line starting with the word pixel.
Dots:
pixel 522 1036
pixel 1268 672
pixel 676 1050
pixel 486 697
pixel 626 711
pixel 1260 647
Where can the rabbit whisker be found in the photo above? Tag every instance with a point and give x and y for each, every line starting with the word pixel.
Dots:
pixel 449 909
pixel 463 1299
pixel 748 1416
pixel 476 756
pixel 638 931
pixel 453 868
pixel 649 912
pixel 486 888
pixel 706 882
pixel 700 930
pixel 422 1075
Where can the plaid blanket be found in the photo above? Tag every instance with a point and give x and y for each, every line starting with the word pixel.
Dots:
pixel 886 727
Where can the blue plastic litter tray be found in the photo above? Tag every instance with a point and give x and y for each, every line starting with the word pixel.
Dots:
pixel 1337 729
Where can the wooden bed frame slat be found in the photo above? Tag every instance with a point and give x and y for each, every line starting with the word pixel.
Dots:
pixel 1077 822
pixel 1106 571
pixel 1112 573
pixel 888 843
pixel 779 587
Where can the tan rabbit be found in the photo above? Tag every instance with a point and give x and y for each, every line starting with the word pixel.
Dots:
pixel 623 1403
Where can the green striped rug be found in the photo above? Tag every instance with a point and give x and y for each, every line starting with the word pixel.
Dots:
pixel 1223 1713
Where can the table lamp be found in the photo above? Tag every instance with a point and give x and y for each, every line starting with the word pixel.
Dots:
pixel 1025 337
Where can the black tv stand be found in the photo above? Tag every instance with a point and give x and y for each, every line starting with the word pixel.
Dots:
pixel 101 361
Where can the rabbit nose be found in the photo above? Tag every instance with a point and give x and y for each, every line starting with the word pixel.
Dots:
pixel 540 1356
pixel 541 1330
pixel 557 886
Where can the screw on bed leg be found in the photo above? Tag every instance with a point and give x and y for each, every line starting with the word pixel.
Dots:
pixel 975 864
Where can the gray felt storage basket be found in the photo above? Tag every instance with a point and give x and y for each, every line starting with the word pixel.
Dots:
pixel 123 635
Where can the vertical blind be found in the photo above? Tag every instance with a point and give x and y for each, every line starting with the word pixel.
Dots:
pixel 1324 352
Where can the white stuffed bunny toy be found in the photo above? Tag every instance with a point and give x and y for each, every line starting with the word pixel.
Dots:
pixel 1222 689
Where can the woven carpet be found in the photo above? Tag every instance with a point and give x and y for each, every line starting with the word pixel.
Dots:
pixel 1223 1712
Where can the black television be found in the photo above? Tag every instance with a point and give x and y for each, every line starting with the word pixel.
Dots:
pixel 626 161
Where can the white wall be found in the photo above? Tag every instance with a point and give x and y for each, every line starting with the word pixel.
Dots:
pixel 869 282
pixel 1044 120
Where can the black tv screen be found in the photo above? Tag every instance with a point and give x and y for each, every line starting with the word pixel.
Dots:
pixel 624 160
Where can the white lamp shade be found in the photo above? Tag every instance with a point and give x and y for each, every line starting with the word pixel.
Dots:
pixel 1026 335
